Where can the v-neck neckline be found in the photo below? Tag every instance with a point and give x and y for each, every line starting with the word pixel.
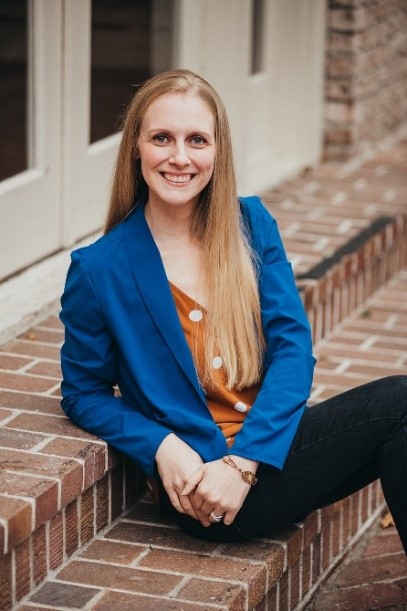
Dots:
pixel 193 301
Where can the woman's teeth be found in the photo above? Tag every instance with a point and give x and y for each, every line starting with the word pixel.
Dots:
pixel 178 178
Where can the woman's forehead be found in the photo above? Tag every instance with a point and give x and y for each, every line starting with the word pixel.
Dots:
pixel 179 107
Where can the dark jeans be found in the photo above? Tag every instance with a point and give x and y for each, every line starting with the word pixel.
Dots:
pixel 341 445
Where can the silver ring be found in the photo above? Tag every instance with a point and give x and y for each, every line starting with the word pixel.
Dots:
pixel 215 518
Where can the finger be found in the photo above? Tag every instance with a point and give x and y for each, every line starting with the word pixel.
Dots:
pixel 175 501
pixel 187 506
pixel 192 482
pixel 229 517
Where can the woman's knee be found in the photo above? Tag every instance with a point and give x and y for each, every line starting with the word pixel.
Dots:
pixel 393 391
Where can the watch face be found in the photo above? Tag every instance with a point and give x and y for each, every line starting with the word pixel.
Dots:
pixel 249 478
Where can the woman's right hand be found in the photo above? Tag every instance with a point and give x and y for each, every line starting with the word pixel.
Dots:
pixel 176 462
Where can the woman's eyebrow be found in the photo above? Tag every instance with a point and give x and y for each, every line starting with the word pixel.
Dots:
pixel 166 130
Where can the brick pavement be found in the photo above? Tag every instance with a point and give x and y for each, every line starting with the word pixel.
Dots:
pixel 62 492
pixel 373 577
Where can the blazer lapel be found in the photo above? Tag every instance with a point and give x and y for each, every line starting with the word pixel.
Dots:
pixel 150 277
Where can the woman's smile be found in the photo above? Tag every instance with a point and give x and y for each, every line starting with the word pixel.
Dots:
pixel 178 178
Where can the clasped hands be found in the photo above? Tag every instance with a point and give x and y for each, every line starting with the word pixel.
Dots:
pixel 201 489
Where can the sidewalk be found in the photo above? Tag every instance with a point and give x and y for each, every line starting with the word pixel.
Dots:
pixel 372 577
pixel 67 503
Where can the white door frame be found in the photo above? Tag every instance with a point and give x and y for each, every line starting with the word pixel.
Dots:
pixel 87 168
pixel 30 219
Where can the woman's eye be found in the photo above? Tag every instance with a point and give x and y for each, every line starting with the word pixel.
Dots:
pixel 160 139
pixel 198 141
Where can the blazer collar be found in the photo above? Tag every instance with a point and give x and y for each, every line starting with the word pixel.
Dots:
pixel 150 277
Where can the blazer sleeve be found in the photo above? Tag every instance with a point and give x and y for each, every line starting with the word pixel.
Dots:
pixel 89 364
pixel 272 421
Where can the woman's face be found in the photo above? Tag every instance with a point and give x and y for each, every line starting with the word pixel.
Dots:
pixel 177 150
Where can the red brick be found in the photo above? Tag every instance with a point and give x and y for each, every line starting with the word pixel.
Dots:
pixel 269 603
pixel 39 543
pixel 119 577
pixel 24 382
pixel 387 542
pixel 46 368
pixel 306 570
pixel 23 569
pixel 210 566
pixel 316 558
pixel 147 534
pixel 87 516
pixel 72 527
pixel 311 527
pixel 18 439
pixel 372 596
pixel 102 503
pixel 46 405
pixel 91 453
pixel 232 596
pixel 54 593
pixel 8 361
pixel 18 515
pixel 69 472
pixel 284 593
pixel 295 584
pixel 53 425
pixel 32 349
pixel 45 493
pixel 56 542
pixel 377 568
pixel 5 583
pixel 112 551
pixel 127 602
pixel 272 554
pixel 325 548
pixel 335 534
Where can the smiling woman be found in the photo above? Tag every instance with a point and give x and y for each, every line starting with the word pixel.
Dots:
pixel 189 305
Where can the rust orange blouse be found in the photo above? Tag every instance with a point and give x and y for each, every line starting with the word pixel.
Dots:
pixel 228 407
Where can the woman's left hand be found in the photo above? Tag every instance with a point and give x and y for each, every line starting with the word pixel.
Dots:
pixel 218 488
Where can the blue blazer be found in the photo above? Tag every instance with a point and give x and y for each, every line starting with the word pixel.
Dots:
pixel 122 328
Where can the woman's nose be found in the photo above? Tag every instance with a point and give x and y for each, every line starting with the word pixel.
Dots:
pixel 179 156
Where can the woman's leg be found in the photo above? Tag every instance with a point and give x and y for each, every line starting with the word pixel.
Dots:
pixel 341 445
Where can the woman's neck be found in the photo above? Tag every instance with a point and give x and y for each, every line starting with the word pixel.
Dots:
pixel 169 225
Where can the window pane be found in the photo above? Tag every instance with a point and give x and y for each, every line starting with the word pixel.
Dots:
pixel 131 41
pixel 257 36
pixel 13 87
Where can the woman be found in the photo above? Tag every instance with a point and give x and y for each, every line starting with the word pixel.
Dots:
pixel 189 305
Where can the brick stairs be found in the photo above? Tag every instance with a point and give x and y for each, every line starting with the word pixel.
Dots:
pixel 76 527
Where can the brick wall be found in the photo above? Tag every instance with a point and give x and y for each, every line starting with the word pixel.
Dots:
pixel 366 74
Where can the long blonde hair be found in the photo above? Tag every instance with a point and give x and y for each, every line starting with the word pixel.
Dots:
pixel 233 323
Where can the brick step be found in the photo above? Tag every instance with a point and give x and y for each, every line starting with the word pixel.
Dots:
pixel 61 489
pixel 142 561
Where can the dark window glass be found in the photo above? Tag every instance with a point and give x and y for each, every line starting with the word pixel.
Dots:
pixel 131 41
pixel 257 36
pixel 13 87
